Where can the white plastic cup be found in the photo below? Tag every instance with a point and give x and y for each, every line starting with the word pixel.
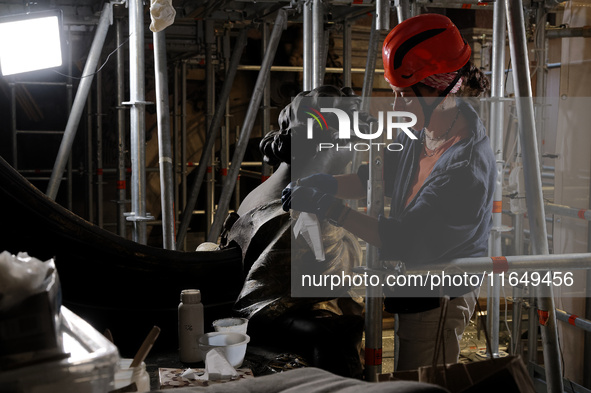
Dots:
pixel 238 325
pixel 232 344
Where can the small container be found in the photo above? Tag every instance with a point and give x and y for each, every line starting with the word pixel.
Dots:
pixel 190 326
pixel 238 325
pixel 125 376
pixel 233 345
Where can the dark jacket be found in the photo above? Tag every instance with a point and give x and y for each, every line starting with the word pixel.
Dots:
pixel 451 215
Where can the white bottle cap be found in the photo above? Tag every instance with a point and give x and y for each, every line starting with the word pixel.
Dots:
pixel 191 296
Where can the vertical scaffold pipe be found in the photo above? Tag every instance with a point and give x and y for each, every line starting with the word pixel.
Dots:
pixel 210 102
pixel 403 9
pixel 375 207
pixel 496 132
pixel 317 43
pixel 164 140
pixel 121 135
pixel 347 49
pixel 307 38
pixel 533 185
pixel 137 115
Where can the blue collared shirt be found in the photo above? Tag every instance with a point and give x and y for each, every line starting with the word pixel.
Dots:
pixel 451 215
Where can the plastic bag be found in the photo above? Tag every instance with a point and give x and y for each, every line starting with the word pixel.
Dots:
pixel 30 302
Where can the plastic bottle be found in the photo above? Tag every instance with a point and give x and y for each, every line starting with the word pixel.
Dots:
pixel 190 326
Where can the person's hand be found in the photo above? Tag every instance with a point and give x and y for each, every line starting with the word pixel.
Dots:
pixel 306 199
pixel 323 182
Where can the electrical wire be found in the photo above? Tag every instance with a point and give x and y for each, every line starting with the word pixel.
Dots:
pixel 100 68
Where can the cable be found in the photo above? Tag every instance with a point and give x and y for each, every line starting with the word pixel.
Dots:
pixel 100 68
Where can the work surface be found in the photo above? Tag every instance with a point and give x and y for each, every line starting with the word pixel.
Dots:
pixel 310 380
pixel 306 379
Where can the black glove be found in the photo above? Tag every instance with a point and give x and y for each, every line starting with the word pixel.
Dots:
pixel 322 182
pixel 310 200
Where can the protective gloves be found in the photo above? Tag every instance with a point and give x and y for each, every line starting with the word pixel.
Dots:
pixel 311 200
pixel 323 182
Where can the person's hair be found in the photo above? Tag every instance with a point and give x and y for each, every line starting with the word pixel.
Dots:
pixel 474 83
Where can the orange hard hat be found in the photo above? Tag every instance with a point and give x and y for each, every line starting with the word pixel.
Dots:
pixel 422 46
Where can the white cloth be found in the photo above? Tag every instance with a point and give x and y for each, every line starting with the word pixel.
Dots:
pixel 417 333
pixel 162 14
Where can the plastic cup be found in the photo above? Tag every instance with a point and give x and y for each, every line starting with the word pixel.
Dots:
pixel 238 325
pixel 232 344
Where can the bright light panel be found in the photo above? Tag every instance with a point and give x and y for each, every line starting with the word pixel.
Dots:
pixel 30 44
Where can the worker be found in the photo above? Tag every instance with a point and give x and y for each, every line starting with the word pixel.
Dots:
pixel 441 183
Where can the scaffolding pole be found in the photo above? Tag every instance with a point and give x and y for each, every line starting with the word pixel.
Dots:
pixel 402 9
pixel 137 103
pixel 370 65
pixel 533 186
pixel 505 264
pixel 99 152
pixel 347 51
pixel 225 136
pixel 121 134
pixel 210 139
pixel 79 101
pixel 574 320
pixel 210 102
pixel 183 142
pixel 317 43
pixel 242 144
pixel 89 160
pixel 308 43
pixel 164 140
pixel 587 342
pixel 382 15
pixel 176 144
pixel 266 109
pixel 375 207
pixel 496 132
pixel 568 211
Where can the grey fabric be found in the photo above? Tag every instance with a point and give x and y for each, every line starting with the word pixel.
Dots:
pixel 312 380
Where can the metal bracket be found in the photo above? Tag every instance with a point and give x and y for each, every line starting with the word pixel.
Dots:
pixel 130 216
pixel 137 103
pixel 502 228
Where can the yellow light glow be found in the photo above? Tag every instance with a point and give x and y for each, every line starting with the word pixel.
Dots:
pixel 29 45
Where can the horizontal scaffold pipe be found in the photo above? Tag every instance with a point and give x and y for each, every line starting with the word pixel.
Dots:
pixel 567 211
pixel 329 70
pixel 574 320
pixel 507 263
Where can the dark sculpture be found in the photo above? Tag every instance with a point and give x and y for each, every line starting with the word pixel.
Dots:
pixel 318 328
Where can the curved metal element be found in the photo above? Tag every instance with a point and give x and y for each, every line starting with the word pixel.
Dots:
pixel 106 279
